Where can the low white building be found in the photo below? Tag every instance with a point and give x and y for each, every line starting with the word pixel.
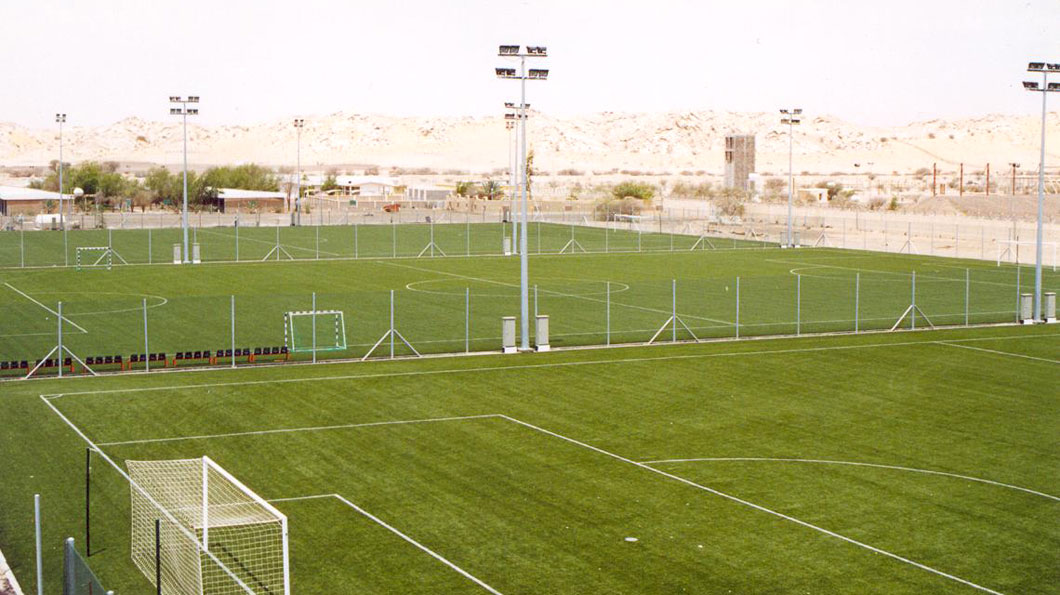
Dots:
pixel 366 186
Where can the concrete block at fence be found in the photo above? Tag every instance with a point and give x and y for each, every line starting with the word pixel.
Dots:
pixel 1026 308
pixel 1049 306
pixel 508 334
pixel 196 257
pixel 507 245
pixel 541 333
pixel 176 253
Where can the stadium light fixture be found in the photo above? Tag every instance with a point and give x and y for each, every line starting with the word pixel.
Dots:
pixel 1045 88
pixel 791 118
pixel 184 111
pixel 537 74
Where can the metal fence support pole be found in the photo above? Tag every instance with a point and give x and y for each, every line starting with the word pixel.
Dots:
pixel 1019 287
pixel 158 556
pixel 967 293
pixel 393 238
pixel 391 324
pixel 234 330
pixel 798 305
pixel 639 233
pixel 607 245
pixel 673 311
pixel 237 238
pixel 737 307
pixel 356 243
pixel 467 320
pixel 317 228
pixel 37 532
pixel 314 319
pixel 60 323
pixel 22 245
pixel 147 348
pixel 467 232
pixel 912 311
pixel 535 301
pixel 88 501
pixel 857 301
pixel 607 314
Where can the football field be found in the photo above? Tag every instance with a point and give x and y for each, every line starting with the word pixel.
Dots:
pixel 903 463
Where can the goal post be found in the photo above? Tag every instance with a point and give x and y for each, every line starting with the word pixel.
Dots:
pixel 1024 252
pixel 314 330
pixel 94 257
pixel 214 536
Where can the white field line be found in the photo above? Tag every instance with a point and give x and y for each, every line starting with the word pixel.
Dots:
pixel 294 430
pixel 615 361
pixel 898 275
pixel 557 293
pixel 425 549
pixel 996 352
pixel 395 531
pixel 855 464
pixel 755 506
pixel 52 312
pixel 266 242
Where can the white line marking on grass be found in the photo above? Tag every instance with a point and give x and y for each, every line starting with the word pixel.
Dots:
pixel 294 430
pixel 663 312
pixel 897 275
pixel 755 506
pixel 854 464
pixel 53 312
pixel 996 352
pixel 395 531
pixel 503 368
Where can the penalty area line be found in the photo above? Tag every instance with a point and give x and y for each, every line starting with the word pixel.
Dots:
pixel 52 312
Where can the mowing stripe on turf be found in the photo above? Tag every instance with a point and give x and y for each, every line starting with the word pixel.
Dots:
pixel 502 368
pixel 52 312
pixel 755 506
pixel 996 352
pixel 293 430
pixel 854 464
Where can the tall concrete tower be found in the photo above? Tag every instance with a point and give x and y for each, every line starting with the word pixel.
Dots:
pixel 739 160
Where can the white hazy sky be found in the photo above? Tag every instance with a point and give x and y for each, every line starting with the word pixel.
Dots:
pixel 872 62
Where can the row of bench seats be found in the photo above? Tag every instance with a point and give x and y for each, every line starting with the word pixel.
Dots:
pixel 251 354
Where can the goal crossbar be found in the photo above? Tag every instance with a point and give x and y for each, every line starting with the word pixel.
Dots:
pixel 291 337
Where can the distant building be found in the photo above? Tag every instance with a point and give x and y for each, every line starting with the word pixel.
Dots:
pixel 236 200
pixel 432 194
pixel 15 200
pixel 739 160
pixel 366 186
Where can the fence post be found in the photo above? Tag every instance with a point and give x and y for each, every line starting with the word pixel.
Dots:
pixel 912 311
pixel 467 320
pixel 236 225
pixel 393 237
pixel 391 324
pixel 467 232
pixel 158 556
pixel 607 315
pixel 535 301
pixel 147 348
pixel 314 319
pixel 234 331
pixel 673 317
pixel 967 292
pixel 857 300
pixel 737 307
pixel 22 245
pixel 356 243
pixel 37 532
pixel 60 323
pixel 798 305
pixel 317 228
pixel 1019 287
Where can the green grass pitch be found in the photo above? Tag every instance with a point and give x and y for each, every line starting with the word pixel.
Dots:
pixel 938 450
pixel 897 463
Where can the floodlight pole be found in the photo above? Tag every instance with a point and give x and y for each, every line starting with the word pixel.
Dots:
pixel 1045 69
pixel 61 118
pixel 298 124
pixel 791 117
pixel 183 111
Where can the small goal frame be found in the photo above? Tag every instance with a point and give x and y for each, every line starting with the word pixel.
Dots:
pixel 104 260
pixel 1011 250
pixel 290 338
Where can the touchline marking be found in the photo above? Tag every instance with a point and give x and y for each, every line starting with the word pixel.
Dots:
pixel 756 506
pixel 556 293
pixel 996 352
pixel 266 242
pixel 533 366
pixel 53 312
pixel 854 464
pixel 395 531
pixel 293 430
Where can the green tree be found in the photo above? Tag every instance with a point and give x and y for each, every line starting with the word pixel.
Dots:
pixel 493 189
pixel 638 190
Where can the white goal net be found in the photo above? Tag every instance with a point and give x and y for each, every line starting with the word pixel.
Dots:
pixel 215 535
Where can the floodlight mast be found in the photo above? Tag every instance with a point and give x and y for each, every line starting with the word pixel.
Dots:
pixel 791 118
pixel 184 111
pixel 1046 87
pixel 299 123
pixel 510 118
pixel 513 51
pixel 61 119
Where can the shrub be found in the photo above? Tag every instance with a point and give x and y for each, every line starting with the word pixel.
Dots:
pixel 637 190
